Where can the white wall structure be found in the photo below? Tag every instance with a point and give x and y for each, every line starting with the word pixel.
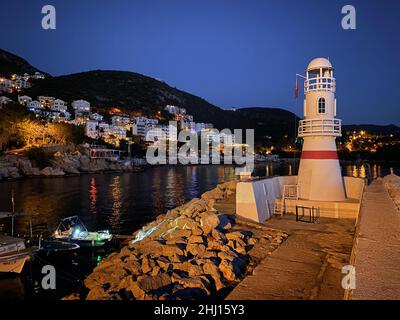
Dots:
pixel 255 200
pixel 320 175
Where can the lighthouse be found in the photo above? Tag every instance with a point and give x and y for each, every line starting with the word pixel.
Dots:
pixel 319 176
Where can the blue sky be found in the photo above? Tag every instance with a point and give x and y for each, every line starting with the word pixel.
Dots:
pixel 232 53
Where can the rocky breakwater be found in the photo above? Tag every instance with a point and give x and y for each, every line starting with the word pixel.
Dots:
pixel 15 167
pixel 61 164
pixel 191 252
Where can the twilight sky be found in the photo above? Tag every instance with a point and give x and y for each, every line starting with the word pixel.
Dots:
pixel 230 52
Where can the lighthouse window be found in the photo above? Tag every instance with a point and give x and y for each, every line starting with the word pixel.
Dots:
pixel 321 105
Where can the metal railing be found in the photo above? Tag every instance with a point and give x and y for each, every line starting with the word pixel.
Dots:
pixel 320 84
pixel 324 127
pixel 307 214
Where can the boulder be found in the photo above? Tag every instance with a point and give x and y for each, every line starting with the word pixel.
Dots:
pixel 208 221
pixel 196 248
pixel 183 222
pixel 147 264
pixel 98 293
pixel 177 234
pixel 52 172
pixel 153 285
pixel 195 239
pixel 169 250
pixel 227 270
pixel 212 270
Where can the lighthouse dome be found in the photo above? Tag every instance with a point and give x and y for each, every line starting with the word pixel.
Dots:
pixel 318 63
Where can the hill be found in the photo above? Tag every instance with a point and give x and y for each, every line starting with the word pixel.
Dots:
pixel 12 64
pixel 137 93
pixel 374 129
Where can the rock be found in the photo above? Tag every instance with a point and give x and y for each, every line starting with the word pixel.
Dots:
pixel 156 270
pixel 215 194
pixel 195 239
pixel 196 248
pixel 144 247
pixel 219 236
pixel 163 262
pixel 227 254
pixel 178 234
pixel 235 235
pixel 147 264
pixel 133 266
pixel 208 221
pixel 194 207
pixel 153 285
pixel 197 231
pixel 72 296
pixel 211 269
pixel 215 245
pixel 195 270
pixel 226 268
pixel 183 222
pixel 224 222
pixel 110 276
pixel 52 172
pixel 191 288
pixel 169 250
pixel 98 293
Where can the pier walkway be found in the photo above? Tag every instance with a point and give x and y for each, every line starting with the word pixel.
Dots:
pixel 377 246
pixel 305 266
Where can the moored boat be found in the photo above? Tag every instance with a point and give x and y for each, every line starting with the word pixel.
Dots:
pixel 13 254
pixel 73 230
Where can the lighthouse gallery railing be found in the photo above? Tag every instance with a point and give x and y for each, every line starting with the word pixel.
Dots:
pixel 325 127
pixel 320 84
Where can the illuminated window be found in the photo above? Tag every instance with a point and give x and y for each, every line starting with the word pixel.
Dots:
pixel 321 105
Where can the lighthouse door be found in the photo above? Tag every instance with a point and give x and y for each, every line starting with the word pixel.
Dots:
pixel 304 182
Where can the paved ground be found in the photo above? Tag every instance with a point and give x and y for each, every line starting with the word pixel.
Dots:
pixel 306 266
pixel 377 251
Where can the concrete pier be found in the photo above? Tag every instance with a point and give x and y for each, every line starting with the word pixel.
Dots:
pixel 376 254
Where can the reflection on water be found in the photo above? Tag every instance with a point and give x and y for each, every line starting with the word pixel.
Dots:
pixel 124 202
pixel 119 202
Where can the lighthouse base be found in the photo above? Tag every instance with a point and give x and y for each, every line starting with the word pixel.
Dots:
pixel 257 200
pixel 320 177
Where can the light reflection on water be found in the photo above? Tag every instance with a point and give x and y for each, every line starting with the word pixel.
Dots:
pixel 124 202
pixel 119 202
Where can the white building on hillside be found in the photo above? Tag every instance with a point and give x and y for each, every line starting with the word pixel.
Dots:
pixel 81 106
pixel 96 117
pixel 175 110
pixel 92 129
pixel 24 100
pixel 59 105
pixel 34 105
pixel 118 132
pixel 121 120
pixel 46 101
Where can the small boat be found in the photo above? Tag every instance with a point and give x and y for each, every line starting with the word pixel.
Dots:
pixel 13 254
pixel 51 245
pixel 73 230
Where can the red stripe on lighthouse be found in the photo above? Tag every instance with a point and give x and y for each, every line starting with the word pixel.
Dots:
pixel 319 154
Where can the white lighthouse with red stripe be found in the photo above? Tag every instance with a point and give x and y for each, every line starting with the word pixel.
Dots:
pixel 319 176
